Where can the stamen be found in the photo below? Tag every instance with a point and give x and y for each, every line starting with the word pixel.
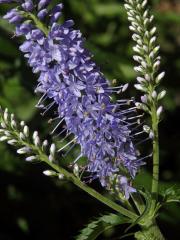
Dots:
pixel 67 135
pixel 140 142
pixel 57 126
pixel 67 144
pixel 48 107
pixel 77 158
pixel 64 155
pixel 139 116
pixel 41 100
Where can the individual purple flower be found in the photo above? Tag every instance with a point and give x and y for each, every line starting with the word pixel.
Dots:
pixel 28 6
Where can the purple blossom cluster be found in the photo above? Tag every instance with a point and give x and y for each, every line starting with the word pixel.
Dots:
pixel 74 83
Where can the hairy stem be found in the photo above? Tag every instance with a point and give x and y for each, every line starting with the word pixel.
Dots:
pixel 152 232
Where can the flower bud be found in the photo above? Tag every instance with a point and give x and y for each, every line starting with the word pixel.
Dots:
pixel 160 77
pixel 154 94
pixel 31 158
pixel 146 128
pixel 161 94
pixel 23 150
pixel 49 173
pixel 61 176
pixel 26 131
pixel 3 138
pixel 159 111
pixel 53 149
pixel 13 124
pixel 12 142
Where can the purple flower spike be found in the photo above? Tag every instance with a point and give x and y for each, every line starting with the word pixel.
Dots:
pixel 75 84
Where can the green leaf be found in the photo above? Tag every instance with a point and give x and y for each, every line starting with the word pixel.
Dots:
pixel 171 194
pixel 97 227
pixel 148 200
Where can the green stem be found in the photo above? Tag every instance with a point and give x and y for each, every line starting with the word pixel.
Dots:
pixel 89 190
pixel 155 177
pixel 152 232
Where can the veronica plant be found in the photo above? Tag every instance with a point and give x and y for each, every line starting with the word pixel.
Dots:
pixel 104 129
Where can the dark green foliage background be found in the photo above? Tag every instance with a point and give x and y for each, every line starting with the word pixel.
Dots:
pixel 33 206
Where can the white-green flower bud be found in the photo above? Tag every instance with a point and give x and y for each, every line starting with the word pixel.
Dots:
pixel 37 141
pixel 140 87
pixel 132 28
pixel 22 123
pixel 151 18
pixel 144 65
pixel 76 170
pixel 49 173
pixel 52 149
pixel 151 55
pixel 147 77
pixel 147 34
pixel 44 144
pixel 137 58
pixel 138 69
pixel 135 37
pixel 12 142
pixel 138 18
pixel 61 176
pixel 146 129
pixel 154 94
pixel 156 64
pixel 160 77
pixel 51 158
pixel 141 80
pixel 142 106
pixel 146 21
pixel 3 138
pixel 131 19
pixel 127 7
pixel 35 134
pixel 23 150
pixel 6 115
pixel 137 49
pixel 3 125
pixel 139 29
pixel 144 99
pixel 125 87
pixel 31 158
pixel 26 131
pixel 151 135
pixel 152 41
pixel 145 14
pixel 139 41
pixel 13 124
pixel 161 94
pixel 7 133
pixel 21 136
pixel 144 3
pixel 153 30
pixel 145 48
pixel 159 111
pixel 156 49
pixel 139 7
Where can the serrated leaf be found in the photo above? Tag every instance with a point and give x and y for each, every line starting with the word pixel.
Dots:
pixel 97 227
pixel 148 201
pixel 171 194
